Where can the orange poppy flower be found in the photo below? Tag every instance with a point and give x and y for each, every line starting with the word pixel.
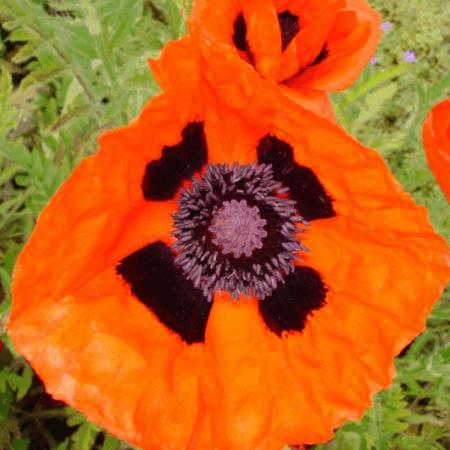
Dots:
pixel 308 47
pixel 259 304
pixel 436 140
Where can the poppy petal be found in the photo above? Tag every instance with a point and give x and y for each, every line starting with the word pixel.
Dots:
pixel 312 42
pixel 264 36
pixel 313 202
pixel 100 349
pixel 350 44
pixel 102 355
pixel 290 304
pixel 135 232
pixel 158 283
pixel 323 47
pixel 436 139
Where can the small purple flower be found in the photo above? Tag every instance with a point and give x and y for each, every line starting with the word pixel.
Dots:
pixel 374 61
pixel 387 26
pixel 409 56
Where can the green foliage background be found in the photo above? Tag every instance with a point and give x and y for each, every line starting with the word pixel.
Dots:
pixel 70 69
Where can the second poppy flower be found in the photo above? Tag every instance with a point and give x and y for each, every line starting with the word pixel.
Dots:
pixel 308 47
pixel 436 140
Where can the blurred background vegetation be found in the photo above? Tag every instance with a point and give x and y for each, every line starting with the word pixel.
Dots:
pixel 70 69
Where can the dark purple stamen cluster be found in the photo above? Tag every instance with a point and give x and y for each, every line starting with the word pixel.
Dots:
pixel 236 232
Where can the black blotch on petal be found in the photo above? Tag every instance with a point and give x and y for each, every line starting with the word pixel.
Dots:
pixel 163 177
pixel 313 201
pixel 290 304
pixel 240 38
pixel 240 33
pixel 317 60
pixel 159 284
pixel 289 28
pixel 320 57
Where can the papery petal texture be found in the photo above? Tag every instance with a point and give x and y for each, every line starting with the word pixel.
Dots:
pixel 307 47
pixel 436 140
pixel 100 349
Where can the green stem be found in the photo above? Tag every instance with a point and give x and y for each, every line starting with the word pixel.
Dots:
pixel 45 414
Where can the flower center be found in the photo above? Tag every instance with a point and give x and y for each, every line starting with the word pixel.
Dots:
pixel 238 228
pixel 236 231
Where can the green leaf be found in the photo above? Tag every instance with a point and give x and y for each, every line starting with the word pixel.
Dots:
pixel 172 10
pixel 440 89
pixel 73 92
pixel 15 152
pixel 7 111
pixel 63 445
pixel 23 181
pixel 74 418
pixel 90 18
pixel 374 101
pixel 84 437
pixel 42 75
pixel 9 205
pixel 110 443
pixel 5 278
pixel 6 397
pixel 127 13
pixel 19 383
pixel 25 53
pixel 24 382
pixel 37 166
pixel 20 444
pixel 19 34
pixel 371 83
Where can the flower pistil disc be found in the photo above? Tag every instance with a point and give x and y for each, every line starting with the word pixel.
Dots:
pixel 236 231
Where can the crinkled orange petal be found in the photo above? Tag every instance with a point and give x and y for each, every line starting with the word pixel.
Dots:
pixel 99 349
pixel 227 134
pixel 311 99
pixel 74 318
pixel 263 35
pixel 312 38
pixel 351 47
pixel 237 86
pixel 347 31
pixel 385 268
pixel 436 140
pixel 309 10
